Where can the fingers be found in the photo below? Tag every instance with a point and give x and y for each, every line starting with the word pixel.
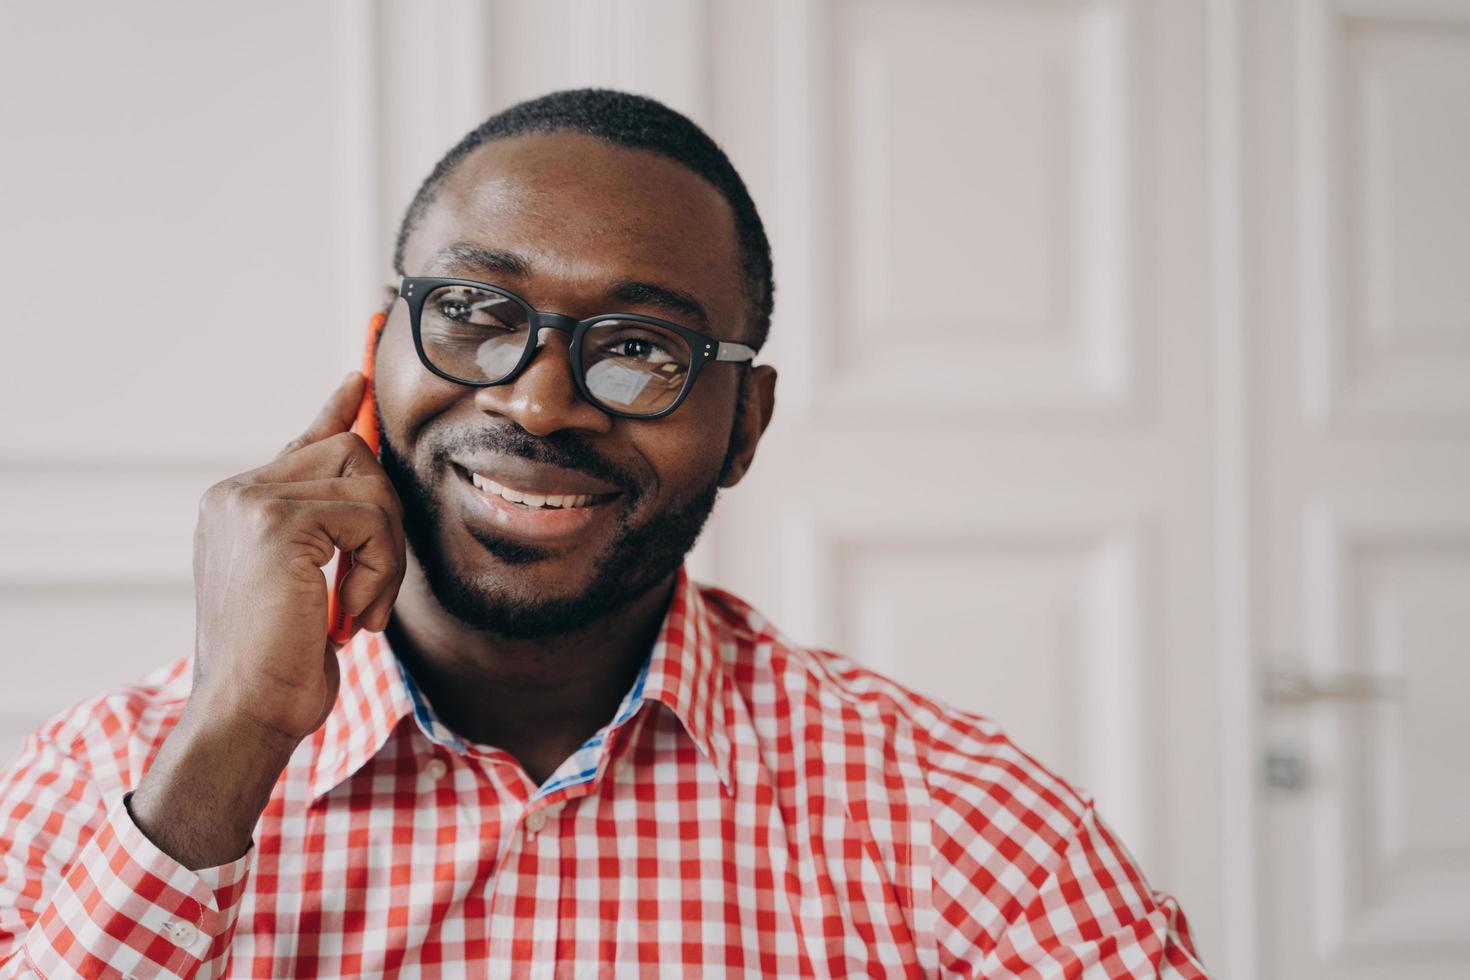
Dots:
pixel 322 494
pixel 372 490
pixel 305 523
pixel 336 416
pixel 313 529
pixel 369 489
pixel 342 454
pixel 326 490
pixel 375 616
pixel 378 560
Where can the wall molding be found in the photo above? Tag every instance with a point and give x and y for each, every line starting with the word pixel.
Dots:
pixel 1344 386
pixel 1340 536
pixel 1240 715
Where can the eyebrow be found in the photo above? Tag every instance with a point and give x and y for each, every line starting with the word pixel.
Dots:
pixel 671 302
pixel 492 260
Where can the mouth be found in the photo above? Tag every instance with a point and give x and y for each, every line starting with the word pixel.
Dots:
pixel 537 501
pixel 533 515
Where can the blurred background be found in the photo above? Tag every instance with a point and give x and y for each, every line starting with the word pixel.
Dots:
pixel 1124 352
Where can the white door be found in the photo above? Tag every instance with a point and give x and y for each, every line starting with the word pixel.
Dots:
pixel 989 473
pixel 1361 368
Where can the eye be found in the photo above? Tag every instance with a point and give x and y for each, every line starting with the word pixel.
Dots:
pixel 474 308
pixel 453 309
pixel 638 347
pixel 644 348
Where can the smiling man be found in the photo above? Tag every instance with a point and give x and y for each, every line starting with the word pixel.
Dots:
pixel 546 751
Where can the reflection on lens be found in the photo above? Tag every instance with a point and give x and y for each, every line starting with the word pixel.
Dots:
pixel 472 333
pixel 634 367
pixel 612 382
pixel 498 356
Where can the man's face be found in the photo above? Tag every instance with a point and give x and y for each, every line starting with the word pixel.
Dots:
pixel 580 227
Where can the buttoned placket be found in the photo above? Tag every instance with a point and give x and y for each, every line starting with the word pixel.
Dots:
pixel 531 859
pixel 527 863
pixel 435 769
pixel 530 869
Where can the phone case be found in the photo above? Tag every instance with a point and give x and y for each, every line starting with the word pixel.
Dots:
pixel 339 622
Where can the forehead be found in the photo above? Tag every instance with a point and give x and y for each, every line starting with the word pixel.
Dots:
pixel 583 213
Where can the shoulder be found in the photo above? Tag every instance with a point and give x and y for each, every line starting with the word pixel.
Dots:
pixel 969 825
pixel 966 766
pixel 114 734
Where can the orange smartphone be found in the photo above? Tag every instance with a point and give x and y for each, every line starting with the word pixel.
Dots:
pixel 339 622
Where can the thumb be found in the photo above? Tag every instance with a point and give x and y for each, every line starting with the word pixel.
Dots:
pixel 336 416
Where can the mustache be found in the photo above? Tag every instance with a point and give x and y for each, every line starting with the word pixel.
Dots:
pixel 565 448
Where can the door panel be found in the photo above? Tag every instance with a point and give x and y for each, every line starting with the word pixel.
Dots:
pixel 988 472
pixel 1360 452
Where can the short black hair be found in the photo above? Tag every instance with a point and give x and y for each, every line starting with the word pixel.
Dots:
pixel 634 121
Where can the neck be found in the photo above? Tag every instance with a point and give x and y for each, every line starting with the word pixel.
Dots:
pixel 537 699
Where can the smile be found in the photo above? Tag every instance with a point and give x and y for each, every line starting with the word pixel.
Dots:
pixel 544 516
pixel 536 501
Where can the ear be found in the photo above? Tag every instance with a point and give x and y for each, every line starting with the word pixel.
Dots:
pixel 390 296
pixel 755 411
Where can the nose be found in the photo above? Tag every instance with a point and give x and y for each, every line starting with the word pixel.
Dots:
pixel 544 397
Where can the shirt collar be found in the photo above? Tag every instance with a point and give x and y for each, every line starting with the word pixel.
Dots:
pixel 684 672
pixel 371 701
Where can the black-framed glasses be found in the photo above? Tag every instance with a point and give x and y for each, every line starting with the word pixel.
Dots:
pixel 626 364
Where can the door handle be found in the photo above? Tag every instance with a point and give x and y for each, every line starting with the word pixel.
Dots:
pixel 1290 687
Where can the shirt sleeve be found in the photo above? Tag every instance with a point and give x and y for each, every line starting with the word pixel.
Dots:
pixel 83 893
pixel 1094 916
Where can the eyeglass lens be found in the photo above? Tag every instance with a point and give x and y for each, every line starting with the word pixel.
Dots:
pixel 476 336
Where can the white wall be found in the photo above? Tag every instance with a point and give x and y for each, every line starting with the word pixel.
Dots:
pixel 1075 503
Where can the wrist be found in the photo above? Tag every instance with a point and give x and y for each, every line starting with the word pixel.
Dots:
pixel 200 799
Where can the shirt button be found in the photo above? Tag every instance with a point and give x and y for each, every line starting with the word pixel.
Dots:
pixel 535 821
pixel 435 769
pixel 182 933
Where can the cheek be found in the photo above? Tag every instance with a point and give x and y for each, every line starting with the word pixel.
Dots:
pixel 406 392
pixel 688 447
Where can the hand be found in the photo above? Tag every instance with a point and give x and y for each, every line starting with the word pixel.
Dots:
pixel 262 655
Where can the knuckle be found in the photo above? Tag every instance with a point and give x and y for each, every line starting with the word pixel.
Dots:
pixel 267 513
pixel 210 499
pixel 375 522
pixel 217 498
pixel 358 456
pixel 250 495
pixel 388 538
pixel 389 500
pixel 348 441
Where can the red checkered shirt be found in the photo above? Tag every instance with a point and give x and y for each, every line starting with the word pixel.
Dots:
pixel 754 808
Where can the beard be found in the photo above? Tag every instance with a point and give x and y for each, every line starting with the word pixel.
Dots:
pixel 639 557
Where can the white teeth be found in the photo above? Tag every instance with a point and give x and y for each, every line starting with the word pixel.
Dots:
pixel 530 499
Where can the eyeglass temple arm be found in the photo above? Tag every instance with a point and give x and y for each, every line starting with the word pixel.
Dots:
pixel 734 352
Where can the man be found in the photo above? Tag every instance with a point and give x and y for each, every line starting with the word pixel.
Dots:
pixel 546 751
